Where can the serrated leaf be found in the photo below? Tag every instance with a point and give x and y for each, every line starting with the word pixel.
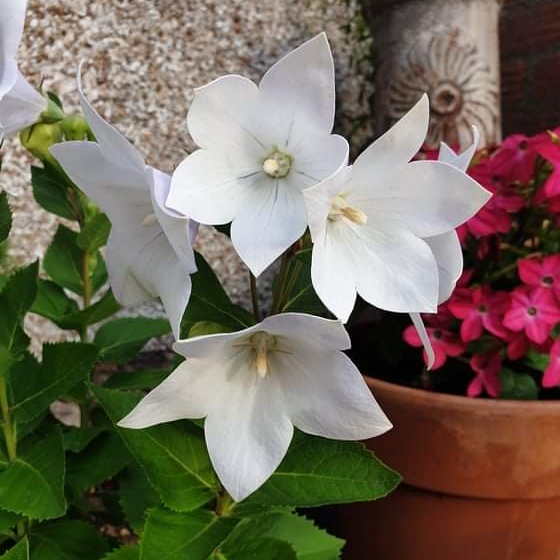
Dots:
pixel 121 339
pixel 136 496
pixel 50 193
pixel 95 233
pixel 20 551
pixel 318 471
pixel 63 260
pixel 308 541
pixel 142 379
pixel 52 302
pixel 5 217
pixel 183 536
pixel 15 300
pixel 35 386
pixel 124 553
pixel 66 540
pixel 33 483
pixel 517 386
pixel 173 455
pixel 102 459
pixel 209 302
pixel 256 549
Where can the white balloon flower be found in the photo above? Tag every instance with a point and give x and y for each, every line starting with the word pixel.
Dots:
pixel 260 146
pixel 20 103
pixel 370 223
pixel 149 251
pixel 255 385
pixel 446 246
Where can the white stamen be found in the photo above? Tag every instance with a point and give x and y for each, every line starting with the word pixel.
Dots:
pixel 341 208
pixel 277 164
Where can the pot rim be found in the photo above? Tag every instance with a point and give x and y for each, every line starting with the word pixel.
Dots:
pixel 463 403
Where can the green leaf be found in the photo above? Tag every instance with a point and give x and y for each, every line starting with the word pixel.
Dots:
pixel 517 386
pixel 18 552
pixel 5 217
pixel 136 496
pixel 8 520
pixel 99 311
pixel 209 302
pixel 63 260
pixel 52 302
pixel 15 300
pixel 183 536
pixel 308 541
pixel 124 553
pixel 319 471
pixel 537 360
pixel 255 549
pixel 121 339
pixel 142 379
pixel 33 483
pixel 50 193
pixel 102 459
pixel 203 328
pixel 77 439
pixel 67 540
pixel 173 456
pixel 35 386
pixel 95 233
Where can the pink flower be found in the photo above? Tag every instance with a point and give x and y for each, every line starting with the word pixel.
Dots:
pixel 533 311
pixel 541 273
pixel 444 342
pixel 551 377
pixel 515 159
pixel 487 368
pixel 517 345
pixel 548 146
pixel 479 308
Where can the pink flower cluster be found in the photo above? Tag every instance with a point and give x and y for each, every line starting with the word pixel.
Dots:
pixel 506 307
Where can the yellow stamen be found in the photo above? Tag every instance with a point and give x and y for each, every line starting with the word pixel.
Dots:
pixel 341 208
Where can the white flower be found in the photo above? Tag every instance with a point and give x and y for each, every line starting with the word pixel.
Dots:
pixel 260 147
pixel 254 385
pixel 446 246
pixel 369 222
pixel 20 103
pixel 149 252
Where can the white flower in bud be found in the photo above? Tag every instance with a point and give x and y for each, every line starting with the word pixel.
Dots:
pixel 20 103
pixel 260 146
pixel 377 226
pixel 255 385
pixel 149 251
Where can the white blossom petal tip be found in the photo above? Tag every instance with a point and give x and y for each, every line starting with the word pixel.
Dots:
pixel 255 385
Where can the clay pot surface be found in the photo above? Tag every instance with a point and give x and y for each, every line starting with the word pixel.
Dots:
pixel 481 481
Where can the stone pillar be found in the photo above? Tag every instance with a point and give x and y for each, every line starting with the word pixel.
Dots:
pixel 447 48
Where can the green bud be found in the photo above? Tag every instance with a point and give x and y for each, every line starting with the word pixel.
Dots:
pixel 75 127
pixel 38 138
pixel 53 113
pixel 89 208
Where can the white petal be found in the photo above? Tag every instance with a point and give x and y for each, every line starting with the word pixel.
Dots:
pixel 315 331
pixel 462 161
pixel 446 248
pixel 425 339
pixel 8 72
pixel 21 106
pixel 326 396
pixel 210 186
pixel 392 150
pixel 115 147
pixel 300 87
pixel 430 197
pixel 271 219
pixel 249 434
pixel 11 25
pixel 319 200
pixel 225 115
pixel 189 392
pixel 333 275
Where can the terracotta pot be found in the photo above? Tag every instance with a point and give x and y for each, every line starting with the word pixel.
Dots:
pixel 481 481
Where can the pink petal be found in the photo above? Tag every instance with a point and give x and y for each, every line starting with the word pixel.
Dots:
pixel 530 271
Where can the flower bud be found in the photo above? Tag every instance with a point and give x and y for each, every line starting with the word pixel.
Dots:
pixel 38 138
pixel 53 112
pixel 75 127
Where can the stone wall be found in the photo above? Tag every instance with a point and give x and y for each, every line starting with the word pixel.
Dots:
pixel 144 57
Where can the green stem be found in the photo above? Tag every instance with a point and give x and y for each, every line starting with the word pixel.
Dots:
pixel 280 283
pixel 255 297
pixel 86 282
pixel 225 504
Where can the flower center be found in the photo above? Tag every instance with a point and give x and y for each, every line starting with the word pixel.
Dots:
pixel 277 164
pixel 548 280
pixel 532 311
pixel 340 208
pixel 260 344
